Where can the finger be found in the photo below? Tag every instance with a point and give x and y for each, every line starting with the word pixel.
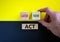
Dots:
pixel 47 10
pixel 43 10
pixel 47 19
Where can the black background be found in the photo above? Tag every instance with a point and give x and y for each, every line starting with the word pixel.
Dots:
pixel 10 31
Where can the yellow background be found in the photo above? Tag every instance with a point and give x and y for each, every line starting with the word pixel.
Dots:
pixel 10 9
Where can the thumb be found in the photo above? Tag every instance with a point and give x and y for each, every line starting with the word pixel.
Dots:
pixel 44 23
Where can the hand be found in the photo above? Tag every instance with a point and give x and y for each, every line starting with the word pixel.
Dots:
pixel 53 23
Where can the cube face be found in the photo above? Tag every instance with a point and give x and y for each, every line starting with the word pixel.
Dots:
pixel 24 16
pixel 29 26
pixel 35 15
